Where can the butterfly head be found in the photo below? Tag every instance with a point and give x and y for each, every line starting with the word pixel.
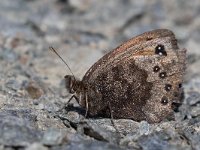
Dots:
pixel 70 83
pixel 74 85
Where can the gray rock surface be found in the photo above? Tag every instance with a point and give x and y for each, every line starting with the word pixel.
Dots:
pixel 32 90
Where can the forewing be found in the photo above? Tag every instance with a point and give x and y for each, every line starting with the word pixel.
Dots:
pixel 126 49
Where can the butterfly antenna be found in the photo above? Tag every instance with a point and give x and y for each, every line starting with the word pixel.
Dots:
pixel 53 50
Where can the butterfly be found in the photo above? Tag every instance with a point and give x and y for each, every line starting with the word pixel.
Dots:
pixel 140 80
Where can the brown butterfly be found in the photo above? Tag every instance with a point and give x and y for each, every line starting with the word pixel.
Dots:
pixel 140 80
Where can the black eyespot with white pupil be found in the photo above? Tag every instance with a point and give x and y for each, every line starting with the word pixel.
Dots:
pixel 168 87
pixel 156 68
pixel 160 50
pixel 162 75
pixel 164 100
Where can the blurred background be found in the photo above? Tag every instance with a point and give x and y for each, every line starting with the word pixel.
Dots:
pixel 82 31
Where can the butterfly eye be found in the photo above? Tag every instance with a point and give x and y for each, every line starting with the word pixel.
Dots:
pixel 164 100
pixel 160 50
pixel 168 87
pixel 156 68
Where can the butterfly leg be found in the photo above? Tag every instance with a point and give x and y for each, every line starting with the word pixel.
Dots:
pixel 86 104
pixel 111 116
pixel 73 96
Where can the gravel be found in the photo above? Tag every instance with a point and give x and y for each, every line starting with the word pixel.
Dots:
pixel 32 89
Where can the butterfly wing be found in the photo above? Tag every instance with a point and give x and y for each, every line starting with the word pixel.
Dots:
pixel 139 79
pixel 132 46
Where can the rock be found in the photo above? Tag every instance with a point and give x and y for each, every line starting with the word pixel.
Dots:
pixel 54 137
pixel 34 90
pixel 17 132
pixel 36 146
pixel 89 145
